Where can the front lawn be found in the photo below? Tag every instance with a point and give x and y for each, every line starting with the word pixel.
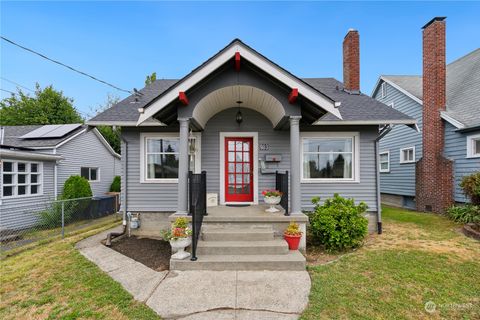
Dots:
pixel 54 281
pixel 419 258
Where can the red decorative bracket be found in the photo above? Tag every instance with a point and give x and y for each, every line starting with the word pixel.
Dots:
pixel 237 61
pixel 292 97
pixel 183 98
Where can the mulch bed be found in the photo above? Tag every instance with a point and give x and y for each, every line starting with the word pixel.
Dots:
pixel 153 253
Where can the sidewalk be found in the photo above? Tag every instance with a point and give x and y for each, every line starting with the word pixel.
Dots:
pixel 195 295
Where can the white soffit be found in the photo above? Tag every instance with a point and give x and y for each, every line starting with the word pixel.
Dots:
pixel 251 97
pixel 259 61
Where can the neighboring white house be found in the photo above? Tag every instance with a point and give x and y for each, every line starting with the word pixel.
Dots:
pixel 36 161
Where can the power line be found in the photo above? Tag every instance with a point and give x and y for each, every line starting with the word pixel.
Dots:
pixel 17 84
pixel 7 91
pixel 64 65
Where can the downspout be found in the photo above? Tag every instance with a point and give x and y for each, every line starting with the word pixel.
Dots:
pixel 55 177
pixel 112 235
pixel 382 133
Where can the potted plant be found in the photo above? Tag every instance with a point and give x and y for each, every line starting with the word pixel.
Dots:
pixel 292 235
pixel 179 238
pixel 272 197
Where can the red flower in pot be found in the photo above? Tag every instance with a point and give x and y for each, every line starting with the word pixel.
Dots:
pixel 293 235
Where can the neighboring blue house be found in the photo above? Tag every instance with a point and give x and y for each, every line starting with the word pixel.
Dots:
pixel 36 161
pixel 403 147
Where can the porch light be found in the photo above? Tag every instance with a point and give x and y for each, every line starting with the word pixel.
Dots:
pixel 239 116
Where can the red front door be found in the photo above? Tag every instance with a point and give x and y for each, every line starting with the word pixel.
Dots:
pixel 238 169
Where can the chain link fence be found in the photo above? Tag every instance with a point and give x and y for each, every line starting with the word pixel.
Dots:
pixel 35 222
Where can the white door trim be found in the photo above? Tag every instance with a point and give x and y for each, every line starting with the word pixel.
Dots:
pixel 224 135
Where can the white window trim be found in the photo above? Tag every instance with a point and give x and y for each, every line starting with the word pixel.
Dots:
pixel 356 156
pixel 380 162
pixel 89 173
pixel 15 177
pixel 383 90
pixel 392 105
pixel 470 146
pixel 402 161
pixel 253 135
pixel 143 160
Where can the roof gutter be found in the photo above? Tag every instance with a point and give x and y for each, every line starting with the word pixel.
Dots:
pixel 28 155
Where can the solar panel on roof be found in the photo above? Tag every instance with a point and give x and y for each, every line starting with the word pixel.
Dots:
pixel 51 131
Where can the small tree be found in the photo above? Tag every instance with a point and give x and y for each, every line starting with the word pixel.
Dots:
pixel 471 187
pixel 76 187
pixel 116 184
pixel 151 78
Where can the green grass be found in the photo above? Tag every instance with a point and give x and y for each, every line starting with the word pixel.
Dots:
pixel 54 281
pixel 420 257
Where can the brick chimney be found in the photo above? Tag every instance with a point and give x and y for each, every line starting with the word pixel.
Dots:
pixel 434 173
pixel 351 62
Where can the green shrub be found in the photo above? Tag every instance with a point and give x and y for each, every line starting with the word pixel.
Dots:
pixel 116 184
pixel 471 187
pixel 464 214
pixel 52 217
pixel 338 224
pixel 76 187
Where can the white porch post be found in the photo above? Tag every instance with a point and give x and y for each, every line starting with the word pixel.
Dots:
pixel 182 206
pixel 295 198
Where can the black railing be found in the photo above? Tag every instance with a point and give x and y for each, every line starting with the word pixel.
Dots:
pixel 281 184
pixel 197 205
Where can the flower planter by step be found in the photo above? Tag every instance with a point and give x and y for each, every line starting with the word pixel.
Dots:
pixel 179 246
pixel 272 201
pixel 293 241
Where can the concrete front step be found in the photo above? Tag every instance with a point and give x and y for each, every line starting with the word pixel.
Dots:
pixel 226 234
pixel 277 246
pixel 292 261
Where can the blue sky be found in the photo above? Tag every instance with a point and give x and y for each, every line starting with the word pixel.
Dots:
pixel 122 42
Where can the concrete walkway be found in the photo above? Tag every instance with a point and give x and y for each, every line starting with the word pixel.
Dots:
pixel 195 295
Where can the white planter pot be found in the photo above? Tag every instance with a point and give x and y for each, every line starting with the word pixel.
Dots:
pixel 179 246
pixel 272 201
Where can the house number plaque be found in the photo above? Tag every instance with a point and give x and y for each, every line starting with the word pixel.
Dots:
pixel 264 146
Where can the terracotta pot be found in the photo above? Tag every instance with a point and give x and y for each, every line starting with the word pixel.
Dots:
pixel 293 241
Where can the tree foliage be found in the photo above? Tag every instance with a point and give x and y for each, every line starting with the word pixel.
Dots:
pixel 111 134
pixel 151 78
pixel 46 106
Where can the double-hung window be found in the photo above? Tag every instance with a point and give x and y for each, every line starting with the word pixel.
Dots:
pixel 91 174
pixel 330 157
pixel 473 146
pixel 160 156
pixel 384 163
pixel 407 155
pixel 21 178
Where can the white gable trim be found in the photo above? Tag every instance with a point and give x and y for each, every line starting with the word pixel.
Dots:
pixel 457 124
pixel 396 87
pixel 105 143
pixel 254 58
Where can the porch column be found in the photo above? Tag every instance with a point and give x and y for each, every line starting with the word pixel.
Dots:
pixel 182 207
pixel 296 207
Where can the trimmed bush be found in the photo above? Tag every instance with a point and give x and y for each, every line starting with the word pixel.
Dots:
pixel 76 187
pixel 465 214
pixel 338 224
pixel 471 187
pixel 116 184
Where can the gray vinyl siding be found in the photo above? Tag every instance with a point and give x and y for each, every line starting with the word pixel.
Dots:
pixel 456 149
pixel 163 197
pixel 144 196
pixel 365 190
pixel 401 178
pixel 87 150
pixel 22 212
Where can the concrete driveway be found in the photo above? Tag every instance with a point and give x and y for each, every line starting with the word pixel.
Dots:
pixel 196 295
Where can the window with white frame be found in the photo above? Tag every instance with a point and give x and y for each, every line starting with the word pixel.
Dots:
pixel 392 105
pixel 329 157
pixel 384 163
pixel 473 146
pixel 160 157
pixel 407 155
pixel 91 174
pixel 21 178
pixel 383 89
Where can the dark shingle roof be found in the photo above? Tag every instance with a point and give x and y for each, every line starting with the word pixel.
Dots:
pixel 12 138
pixel 463 88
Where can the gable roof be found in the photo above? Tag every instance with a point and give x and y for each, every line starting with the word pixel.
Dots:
pixel 463 90
pixel 13 138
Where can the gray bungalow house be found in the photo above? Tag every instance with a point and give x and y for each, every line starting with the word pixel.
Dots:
pixel 445 101
pixel 36 161
pixel 240 118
